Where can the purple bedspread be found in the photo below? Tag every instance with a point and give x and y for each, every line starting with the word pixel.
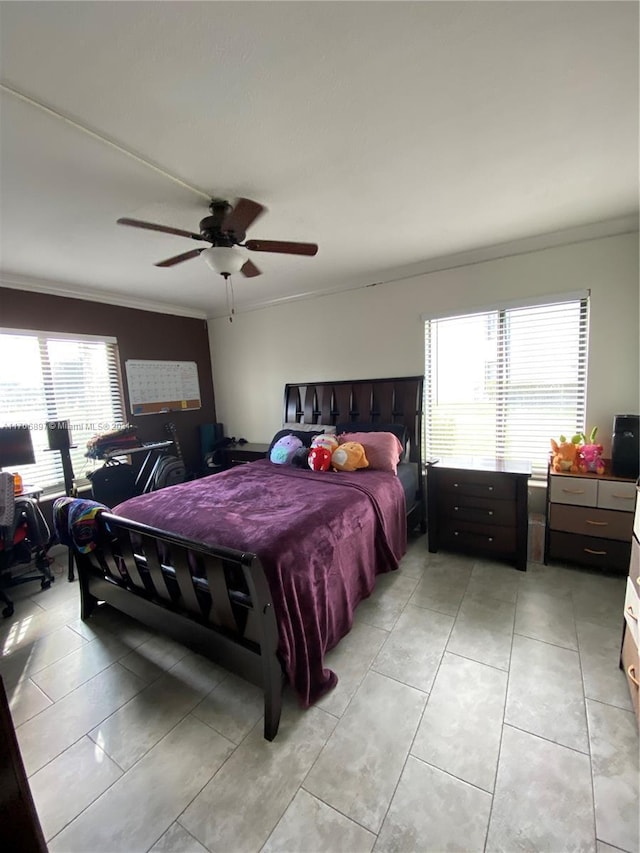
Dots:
pixel 321 537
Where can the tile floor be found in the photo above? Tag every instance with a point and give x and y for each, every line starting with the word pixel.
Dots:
pixel 478 708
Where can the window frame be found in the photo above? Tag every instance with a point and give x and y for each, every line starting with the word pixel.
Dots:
pixel 54 406
pixel 502 311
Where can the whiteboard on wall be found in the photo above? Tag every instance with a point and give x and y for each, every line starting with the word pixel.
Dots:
pixel 162 386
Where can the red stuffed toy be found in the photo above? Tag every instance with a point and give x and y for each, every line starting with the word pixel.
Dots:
pixel 319 459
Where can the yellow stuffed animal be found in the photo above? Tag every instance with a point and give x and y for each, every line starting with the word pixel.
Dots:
pixel 349 457
pixel 566 455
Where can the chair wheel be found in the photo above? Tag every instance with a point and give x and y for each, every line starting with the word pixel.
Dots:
pixel 45 584
pixel 8 611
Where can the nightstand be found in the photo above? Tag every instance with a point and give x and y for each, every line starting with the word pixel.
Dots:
pixel 590 518
pixel 479 506
pixel 240 454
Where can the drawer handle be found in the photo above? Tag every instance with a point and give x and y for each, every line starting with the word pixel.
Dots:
pixel 490 538
pixel 597 523
pixel 622 497
pixel 631 672
pixel 490 512
pixel 574 491
pixel 490 488
pixel 591 551
pixel 631 613
pixel 455 485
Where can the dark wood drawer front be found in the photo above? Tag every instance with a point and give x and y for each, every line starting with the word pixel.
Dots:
pixel 481 510
pixel 477 537
pixel 240 457
pixel 480 484
pixel 589 550
pixel 589 521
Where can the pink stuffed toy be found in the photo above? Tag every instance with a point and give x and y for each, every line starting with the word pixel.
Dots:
pixel 319 459
pixel 590 455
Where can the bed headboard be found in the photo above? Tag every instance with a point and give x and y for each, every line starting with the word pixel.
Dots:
pixel 382 401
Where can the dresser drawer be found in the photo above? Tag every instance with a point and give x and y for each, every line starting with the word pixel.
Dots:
pixel 613 494
pixel 589 550
pixel 488 511
pixel 573 490
pixel 482 484
pixel 632 610
pixel 631 667
pixel 469 536
pixel 634 564
pixel 589 521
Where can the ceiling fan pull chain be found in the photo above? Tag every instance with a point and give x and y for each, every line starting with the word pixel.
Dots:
pixel 230 298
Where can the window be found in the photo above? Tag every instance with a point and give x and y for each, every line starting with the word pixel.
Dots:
pixel 503 382
pixel 50 377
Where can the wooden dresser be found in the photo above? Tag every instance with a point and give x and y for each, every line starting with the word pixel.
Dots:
pixel 630 635
pixel 589 519
pixel 479 506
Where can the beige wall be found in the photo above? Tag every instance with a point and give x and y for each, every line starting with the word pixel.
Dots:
pixel 378 331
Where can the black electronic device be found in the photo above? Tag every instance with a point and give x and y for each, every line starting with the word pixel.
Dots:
pixel 16 446
pixel 210 437
pixel 625 446
pixel 58 435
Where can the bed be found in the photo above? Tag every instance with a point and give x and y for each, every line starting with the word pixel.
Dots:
pixel 261 567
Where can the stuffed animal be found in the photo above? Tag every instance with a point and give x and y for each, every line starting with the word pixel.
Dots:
pixel 325 440
pixel 590 455
pixel 319 459
pixel 349 457
pixel 284 449
pixel 565 455
pixel 300 457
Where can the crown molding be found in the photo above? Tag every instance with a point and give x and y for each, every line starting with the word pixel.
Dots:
pixel 523 246
pixel 58 288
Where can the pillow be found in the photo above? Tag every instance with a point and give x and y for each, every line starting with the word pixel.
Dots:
pixel 309 427
pixel 305 437
pixel 399 430
pixel 383 449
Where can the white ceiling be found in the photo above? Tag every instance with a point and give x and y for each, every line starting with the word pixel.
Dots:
pixel 390 133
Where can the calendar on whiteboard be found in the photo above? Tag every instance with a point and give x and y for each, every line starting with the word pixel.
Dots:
pixel 162 386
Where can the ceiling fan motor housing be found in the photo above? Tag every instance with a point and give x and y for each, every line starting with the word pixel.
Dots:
pixel 211 231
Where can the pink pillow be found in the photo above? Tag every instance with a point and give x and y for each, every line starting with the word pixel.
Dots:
pixel 383 449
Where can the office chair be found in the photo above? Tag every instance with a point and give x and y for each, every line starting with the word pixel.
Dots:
pixel 24 538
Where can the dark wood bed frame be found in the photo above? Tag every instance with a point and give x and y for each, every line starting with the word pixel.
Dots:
pixel 371 401
pixel 217 600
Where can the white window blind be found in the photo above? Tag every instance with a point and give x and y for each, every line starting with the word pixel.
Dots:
pixel 51 377
pixel 502 383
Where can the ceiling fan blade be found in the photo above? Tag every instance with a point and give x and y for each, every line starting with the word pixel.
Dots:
pixel 240 217
pixel 250 269
pixel 286 248
pixel 178 259
pixel 150 226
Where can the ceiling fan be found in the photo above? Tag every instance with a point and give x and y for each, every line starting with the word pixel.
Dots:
pixel 226 229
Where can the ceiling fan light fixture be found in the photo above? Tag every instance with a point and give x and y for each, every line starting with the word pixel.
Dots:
pixel 225 260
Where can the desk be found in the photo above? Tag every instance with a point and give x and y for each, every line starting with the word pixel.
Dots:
pixel 30 492
pixel 154 450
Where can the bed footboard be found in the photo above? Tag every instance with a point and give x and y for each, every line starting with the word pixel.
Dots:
pixel 215 600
